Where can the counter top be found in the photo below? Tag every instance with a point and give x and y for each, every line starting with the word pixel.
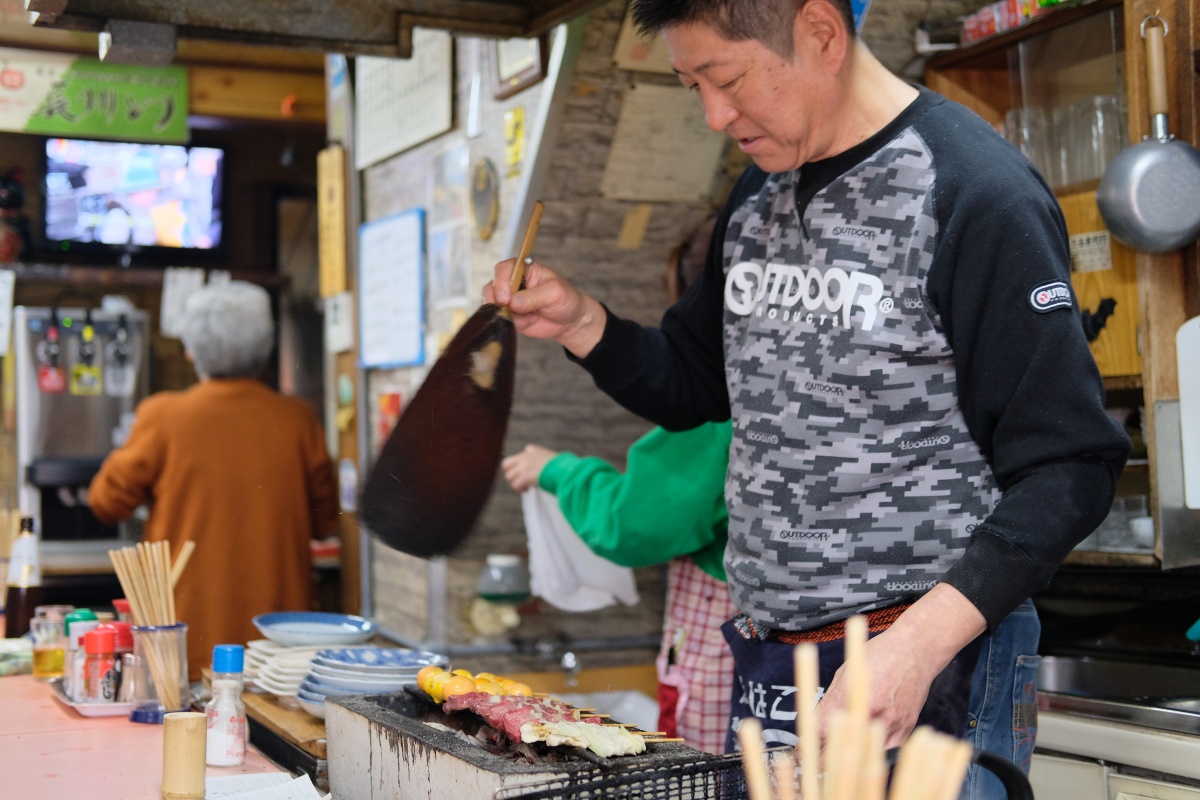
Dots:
pixel 50 751
pixel 1164 752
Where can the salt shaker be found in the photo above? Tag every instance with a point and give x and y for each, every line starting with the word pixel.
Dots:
pixel 226 712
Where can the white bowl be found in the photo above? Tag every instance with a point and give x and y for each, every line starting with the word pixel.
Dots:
pixel 314 627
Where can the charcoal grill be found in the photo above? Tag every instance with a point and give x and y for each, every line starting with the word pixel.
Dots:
pixel 380 749
pixel 705 778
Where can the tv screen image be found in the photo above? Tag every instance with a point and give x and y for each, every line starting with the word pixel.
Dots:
pixel 121 194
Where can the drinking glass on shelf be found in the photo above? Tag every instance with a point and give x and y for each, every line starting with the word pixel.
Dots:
pixel 1062 131
pixel 1105 129
pixel 1094 132
pixel 1116 532
pixel 1028 129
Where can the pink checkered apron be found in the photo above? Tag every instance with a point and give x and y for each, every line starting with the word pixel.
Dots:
pixel 695 661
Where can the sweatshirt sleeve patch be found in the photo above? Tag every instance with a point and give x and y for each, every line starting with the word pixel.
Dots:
pixel 1050 296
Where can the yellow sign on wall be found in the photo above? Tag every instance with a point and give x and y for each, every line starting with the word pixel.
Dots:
pixel 514 141
pixel 331 219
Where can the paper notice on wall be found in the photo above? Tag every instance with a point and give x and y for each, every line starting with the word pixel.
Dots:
pixel 339 323
pixel 388 90
pixel 178 284
pixel 662 150
pixel 641 53
pixel 7 279
pixel 1091 251
pixel 391 291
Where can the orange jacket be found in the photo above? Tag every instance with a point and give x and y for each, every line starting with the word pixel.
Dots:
pixel 244 473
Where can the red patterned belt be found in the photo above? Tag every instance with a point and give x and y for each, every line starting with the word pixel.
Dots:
pixel 878 620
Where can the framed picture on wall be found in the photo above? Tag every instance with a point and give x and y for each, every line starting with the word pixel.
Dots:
pixel 517 64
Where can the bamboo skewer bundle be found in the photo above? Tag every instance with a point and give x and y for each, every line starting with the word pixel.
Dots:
pixel 931 766
pixel 148 579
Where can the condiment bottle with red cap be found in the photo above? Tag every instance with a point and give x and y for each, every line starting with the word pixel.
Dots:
pixel 100 668
pixel 121 606
pixel 122 656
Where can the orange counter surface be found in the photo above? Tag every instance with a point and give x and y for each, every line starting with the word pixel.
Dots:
pixel 50 752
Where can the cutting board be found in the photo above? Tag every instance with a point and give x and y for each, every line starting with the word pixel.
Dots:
pixel 293 725
pixel 1187 352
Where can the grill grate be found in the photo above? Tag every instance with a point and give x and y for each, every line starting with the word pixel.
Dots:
pixel 710 778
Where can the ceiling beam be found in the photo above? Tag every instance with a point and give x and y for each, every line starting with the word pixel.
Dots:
pixel 376 29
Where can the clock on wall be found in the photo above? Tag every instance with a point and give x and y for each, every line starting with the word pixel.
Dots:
pixel 485 198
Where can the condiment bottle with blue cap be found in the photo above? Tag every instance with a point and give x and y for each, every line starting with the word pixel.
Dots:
pixel 226 712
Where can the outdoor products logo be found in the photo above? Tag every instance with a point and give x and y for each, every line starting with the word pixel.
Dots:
pixel 794 293
pixel 928 441
pixel 854 233
pixel 910 586
pixel 804 536
pixel 1050 296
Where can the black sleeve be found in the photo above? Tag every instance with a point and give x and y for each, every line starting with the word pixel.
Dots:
pixel 1028 386
pixel 674 375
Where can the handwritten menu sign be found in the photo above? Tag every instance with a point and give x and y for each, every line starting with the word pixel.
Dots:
pixel 391 298
pixel 662 150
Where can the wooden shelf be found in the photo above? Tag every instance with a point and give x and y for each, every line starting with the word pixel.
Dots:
pixel 1100 558
pixel 1118 382
pixel 995 45
pixel 75 275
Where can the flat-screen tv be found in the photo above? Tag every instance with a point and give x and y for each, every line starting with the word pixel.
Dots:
pixel 129 197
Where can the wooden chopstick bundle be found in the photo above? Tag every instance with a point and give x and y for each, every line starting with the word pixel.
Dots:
pixel 853 766
pixel 148 579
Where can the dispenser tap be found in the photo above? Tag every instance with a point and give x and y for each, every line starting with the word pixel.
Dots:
pixel 570 665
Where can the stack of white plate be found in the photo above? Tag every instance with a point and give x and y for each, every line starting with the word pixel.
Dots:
pixel 277 669
pixel 360 670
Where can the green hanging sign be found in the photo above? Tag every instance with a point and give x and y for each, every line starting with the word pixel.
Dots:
pixel 63 95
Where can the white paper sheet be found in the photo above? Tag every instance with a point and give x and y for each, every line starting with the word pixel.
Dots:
pixel 391 290
pixel 261 786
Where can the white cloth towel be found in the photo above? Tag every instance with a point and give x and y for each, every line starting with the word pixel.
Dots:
pixel 562 570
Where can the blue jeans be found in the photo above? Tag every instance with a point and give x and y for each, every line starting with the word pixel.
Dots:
pixel 1002 711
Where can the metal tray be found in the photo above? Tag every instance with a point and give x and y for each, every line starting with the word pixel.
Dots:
pixel 91 709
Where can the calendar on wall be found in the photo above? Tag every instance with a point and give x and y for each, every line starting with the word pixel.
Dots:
pixel 399 102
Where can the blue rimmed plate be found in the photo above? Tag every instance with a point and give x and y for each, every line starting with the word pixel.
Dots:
pixel 312 703
pixel 294 628
pixel 359 683
pixel 379 659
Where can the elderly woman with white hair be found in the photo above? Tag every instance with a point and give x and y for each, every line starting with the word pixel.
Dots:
pixel 234 466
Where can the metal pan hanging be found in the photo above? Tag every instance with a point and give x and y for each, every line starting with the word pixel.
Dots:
pixel 1149 196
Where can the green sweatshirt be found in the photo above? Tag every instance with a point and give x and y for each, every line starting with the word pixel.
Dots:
pixel 669 502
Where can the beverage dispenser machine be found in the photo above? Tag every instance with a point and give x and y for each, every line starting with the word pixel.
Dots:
pixel 80 374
